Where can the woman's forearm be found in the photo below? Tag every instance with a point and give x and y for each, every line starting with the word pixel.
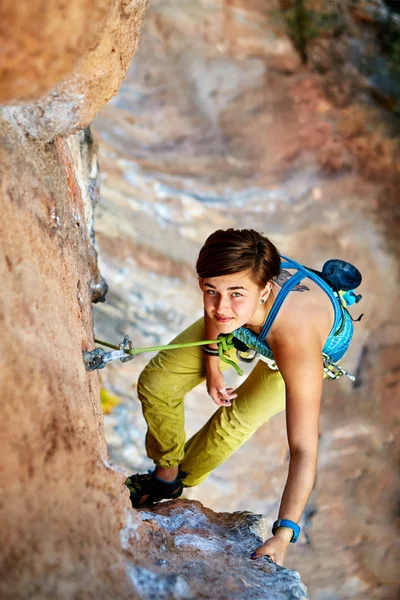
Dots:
pixel 299 484
pixel 297 490
pixel 211 333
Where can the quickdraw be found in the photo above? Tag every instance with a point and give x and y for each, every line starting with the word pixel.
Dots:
pixel 98 358
pixel 333 370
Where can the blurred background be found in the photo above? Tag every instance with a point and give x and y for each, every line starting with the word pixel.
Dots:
pixel 283 117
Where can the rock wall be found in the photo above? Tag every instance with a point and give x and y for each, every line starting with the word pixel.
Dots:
pixel 62 506
pixel 73 68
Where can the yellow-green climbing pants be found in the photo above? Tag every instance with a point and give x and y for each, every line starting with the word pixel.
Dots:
pixel 162 387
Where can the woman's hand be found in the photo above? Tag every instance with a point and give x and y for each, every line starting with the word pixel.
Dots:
pixel 216 387
pixel 275 547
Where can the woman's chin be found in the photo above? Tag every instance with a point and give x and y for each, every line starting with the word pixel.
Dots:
pixel 227 327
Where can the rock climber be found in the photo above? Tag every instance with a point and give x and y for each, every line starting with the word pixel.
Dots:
pixel 295 312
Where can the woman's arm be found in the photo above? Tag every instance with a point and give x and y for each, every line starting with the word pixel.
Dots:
pixel 216 385
pixel 299 360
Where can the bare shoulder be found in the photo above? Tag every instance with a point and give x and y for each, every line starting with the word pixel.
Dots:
pixel 301 316
pixel 295 319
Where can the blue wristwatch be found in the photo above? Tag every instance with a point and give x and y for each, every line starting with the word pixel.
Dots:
pixel 290 525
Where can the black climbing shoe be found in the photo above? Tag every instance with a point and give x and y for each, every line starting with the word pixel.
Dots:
pixel 147 484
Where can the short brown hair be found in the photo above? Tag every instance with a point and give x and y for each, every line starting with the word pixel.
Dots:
pixel 235 250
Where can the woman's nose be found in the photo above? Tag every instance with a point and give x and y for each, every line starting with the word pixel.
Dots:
pixel 223 304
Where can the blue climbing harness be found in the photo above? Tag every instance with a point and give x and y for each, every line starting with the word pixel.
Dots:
pixel 341 333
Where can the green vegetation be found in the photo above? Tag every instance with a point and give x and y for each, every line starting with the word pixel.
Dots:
pixel 389 37
pixel 305 24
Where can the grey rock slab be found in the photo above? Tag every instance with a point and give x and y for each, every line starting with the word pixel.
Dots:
pixel 198 553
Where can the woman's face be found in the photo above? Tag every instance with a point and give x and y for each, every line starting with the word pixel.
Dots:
pixel 232 301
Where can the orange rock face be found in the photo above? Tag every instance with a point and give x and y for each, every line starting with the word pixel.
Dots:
pixel 42 41
pixel 61 504
pixel 72 55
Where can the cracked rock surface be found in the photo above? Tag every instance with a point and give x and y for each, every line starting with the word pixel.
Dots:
pixel 189 551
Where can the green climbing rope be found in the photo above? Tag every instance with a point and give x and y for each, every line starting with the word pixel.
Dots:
pixel 224 342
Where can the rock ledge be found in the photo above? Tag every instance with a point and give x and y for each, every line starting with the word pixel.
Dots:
pixel 184 550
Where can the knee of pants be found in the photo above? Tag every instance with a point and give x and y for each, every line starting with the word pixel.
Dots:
pixel 149 386
pixel 158 388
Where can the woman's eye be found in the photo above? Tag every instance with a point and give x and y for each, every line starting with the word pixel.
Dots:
pixel 237 295
pixel 211 292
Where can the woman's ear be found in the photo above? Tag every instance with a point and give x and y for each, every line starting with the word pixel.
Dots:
pixel 266 291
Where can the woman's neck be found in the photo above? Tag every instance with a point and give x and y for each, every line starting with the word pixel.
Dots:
pixel 261 315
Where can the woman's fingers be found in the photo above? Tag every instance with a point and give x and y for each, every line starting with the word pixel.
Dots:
pixel 215 395
pixel 223 396
pixel 227 394
pixel 273 549
pixel 259 554
pixel 274 556
pixel 217 389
